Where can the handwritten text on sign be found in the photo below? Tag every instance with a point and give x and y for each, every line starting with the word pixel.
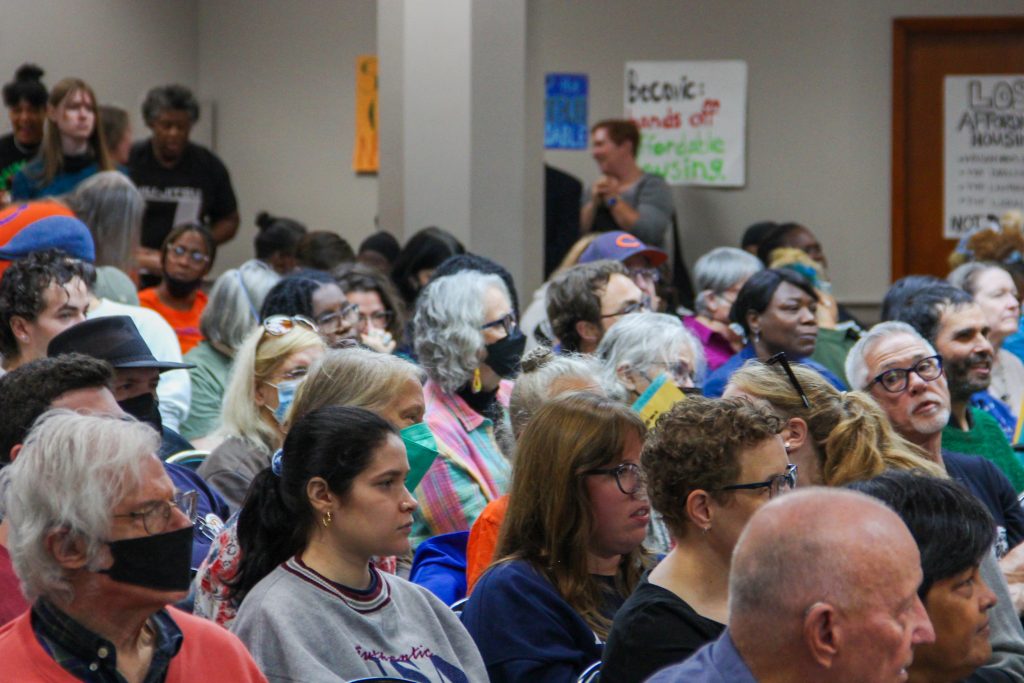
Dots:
pixel 692 119
pixel 565 111
pixel 984 150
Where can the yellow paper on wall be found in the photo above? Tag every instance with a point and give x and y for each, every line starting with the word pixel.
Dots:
pixel 659 397
pixel 364 154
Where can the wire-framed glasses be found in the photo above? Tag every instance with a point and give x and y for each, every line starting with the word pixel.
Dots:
pixel 157 516
pixel 628 476
pixel 780 483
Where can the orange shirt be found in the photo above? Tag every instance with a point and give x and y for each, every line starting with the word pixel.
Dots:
pixel 185 323
pixel 483 540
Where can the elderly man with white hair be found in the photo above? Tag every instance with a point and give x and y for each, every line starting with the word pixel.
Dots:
pixel 904 374
pixel 101 541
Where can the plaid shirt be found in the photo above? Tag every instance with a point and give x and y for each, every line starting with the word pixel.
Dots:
pixel 470 470
pixel 89 657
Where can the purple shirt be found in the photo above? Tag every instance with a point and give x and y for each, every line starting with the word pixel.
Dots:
pixel 717 348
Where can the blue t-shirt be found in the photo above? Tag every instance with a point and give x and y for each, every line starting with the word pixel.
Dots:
pixel 717 662
pixel 716 381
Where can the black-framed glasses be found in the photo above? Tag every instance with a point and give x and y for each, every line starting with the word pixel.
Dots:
pixel 157 517
pixel 781 359
pixel 896 380
pixel 633 307
pixel 628 476
pixel 776 485
pixel 506 322
pixel 278 325
pixel 333 320
pixel 195 255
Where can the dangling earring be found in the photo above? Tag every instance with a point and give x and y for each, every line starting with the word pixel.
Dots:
pixel 326 519
pixel 477 383
pixel 757 336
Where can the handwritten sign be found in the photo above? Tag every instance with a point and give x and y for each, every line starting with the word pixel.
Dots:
pixel 365 151
pixel 984 150
pixel 692 119
pixel 565 111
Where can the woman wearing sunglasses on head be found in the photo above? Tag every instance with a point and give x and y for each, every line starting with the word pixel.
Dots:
pixel 570 545
pixel 268 368
pixel 186 258
pixel 710 465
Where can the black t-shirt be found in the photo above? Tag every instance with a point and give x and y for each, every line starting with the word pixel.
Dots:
pixel 653 629
pixel 197 189
pixel 12 158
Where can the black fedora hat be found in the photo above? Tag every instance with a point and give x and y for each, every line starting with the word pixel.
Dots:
pixel 114 339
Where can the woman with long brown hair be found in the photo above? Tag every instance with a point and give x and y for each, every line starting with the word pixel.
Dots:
pixel 73 147
pixel 570 545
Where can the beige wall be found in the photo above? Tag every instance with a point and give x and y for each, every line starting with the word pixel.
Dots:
pixel 818 109
pixel 120 47
pixel 282 75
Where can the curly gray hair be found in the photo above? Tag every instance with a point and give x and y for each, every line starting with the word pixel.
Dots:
pixel 640 340
pixel 59 482
pixel 446 329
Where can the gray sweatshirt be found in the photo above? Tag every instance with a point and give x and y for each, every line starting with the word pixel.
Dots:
pixel 299 626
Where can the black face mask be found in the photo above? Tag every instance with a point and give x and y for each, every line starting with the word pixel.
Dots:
pixel 503 356
pixel 162 561
pixel 145 408
pixel 180 289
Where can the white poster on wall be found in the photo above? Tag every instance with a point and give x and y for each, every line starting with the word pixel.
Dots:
pixel 983 150
pixel 692 119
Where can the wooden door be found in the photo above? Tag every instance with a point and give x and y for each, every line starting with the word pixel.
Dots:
pixel 925 51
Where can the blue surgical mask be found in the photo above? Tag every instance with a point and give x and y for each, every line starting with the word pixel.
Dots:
pixel 285 395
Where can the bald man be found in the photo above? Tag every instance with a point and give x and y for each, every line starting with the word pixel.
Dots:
pixel 815 596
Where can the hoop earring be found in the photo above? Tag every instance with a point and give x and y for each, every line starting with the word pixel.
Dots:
pixel 326 519
pixel 477 383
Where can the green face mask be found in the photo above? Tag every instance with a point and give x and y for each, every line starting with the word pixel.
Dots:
pixel 421 449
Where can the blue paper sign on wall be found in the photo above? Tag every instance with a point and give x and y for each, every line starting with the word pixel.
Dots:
pixel 565 111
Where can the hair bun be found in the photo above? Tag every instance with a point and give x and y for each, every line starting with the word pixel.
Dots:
pixel 28 72
pixel 264 220
pixel 537 358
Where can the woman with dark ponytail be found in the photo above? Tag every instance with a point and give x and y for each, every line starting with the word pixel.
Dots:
pixel 313 607
pixel 277 242
pixel 25 99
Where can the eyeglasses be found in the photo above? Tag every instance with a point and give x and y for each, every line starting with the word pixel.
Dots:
pixel 781 359
pixel 377 319
pixel 897 379
pixel 634 307
pixel 157 517
pixel 278 325
pixel 679 370
pixel 628 476
pixel 335 320
pixel 506 322
pixel 780 483
pixel 194 254
pixel 648 274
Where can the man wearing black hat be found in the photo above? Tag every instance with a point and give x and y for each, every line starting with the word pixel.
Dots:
pixel 116 340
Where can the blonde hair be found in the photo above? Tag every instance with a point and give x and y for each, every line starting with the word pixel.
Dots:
pixel 850 432
pixel 550 521
pixel 259 356
pixel 357 378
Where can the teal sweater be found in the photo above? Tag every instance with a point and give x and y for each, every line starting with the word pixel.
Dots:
pixel 986 438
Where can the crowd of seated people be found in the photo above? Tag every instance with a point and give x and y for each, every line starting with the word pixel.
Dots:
pixel 332 463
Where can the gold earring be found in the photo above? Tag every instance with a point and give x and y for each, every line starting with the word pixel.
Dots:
pixel 477 384
pixel 326 519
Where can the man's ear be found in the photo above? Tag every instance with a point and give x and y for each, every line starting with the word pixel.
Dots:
pixel 822 634
pixel 698 508
pixel 69 551
pixel 19 328
pixel 588 331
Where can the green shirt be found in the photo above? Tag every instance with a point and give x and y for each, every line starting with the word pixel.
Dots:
pixel 209 378
pixel 986 438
